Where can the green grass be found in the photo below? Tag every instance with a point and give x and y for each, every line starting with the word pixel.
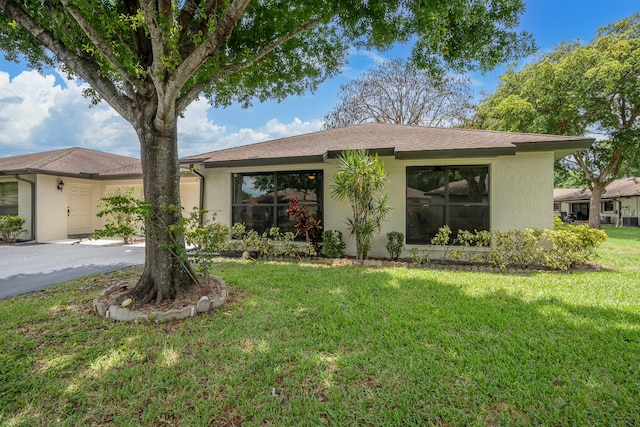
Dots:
pixel 341 346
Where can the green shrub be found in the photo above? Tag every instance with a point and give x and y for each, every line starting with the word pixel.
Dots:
pixel 417 256
pixel 333 245
pixel 206 238
pixel 571 245
pixel 514 248
pixel 11 227
pixel 395 244
pixel 270 243
pixel 125 215
pixel 472 239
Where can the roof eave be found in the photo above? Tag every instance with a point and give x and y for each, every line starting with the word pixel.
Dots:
pixel 270 161
pixel 559 148
pixel 455 153
pixel 82 175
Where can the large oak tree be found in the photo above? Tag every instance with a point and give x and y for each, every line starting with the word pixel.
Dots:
pixel 150 59
pixel 577 90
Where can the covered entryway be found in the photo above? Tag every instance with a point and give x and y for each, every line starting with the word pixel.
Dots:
pixel 79 210
pixel 580 211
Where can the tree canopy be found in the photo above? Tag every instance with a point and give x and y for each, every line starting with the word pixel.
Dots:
pixel 590 89
pixel 398 92
pixel 150 59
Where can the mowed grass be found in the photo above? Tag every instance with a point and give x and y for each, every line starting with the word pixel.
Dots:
pixel 313 345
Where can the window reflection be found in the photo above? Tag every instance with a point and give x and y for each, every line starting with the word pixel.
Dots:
pixel 457 196
pixel 261 200
pixel 9 198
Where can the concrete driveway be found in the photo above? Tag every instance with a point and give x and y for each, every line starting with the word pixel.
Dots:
pixel 28 268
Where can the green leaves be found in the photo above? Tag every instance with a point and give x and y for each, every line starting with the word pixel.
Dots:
pixel 361 181
pixel 579 90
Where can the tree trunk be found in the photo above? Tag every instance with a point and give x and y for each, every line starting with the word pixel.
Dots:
pixel 594 204
pixel 167 274
pixel 359 254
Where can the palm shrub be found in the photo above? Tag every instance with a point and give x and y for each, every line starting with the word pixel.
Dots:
pixel 361 181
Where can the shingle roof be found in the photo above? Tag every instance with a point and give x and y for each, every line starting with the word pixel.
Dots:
pixel 624 187
pixel 74 161
pixel 402 141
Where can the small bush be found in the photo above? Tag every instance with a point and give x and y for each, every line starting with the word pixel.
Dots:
pixel 270 243
pixel 306 224
pixel 332 244
pixel 417 256
pixel 395 244
pixel 11 227
pixel 560 249
pixel 514 248
pixel 572 245
pixel 206 238
pixel 125 214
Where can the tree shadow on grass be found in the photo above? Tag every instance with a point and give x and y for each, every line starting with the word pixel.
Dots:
pixel 333 346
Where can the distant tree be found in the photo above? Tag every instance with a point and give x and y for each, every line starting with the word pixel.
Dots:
pixel 398 92
pixel 151 59
pixel 579 90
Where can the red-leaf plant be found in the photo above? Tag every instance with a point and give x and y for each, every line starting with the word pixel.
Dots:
pixel 306 224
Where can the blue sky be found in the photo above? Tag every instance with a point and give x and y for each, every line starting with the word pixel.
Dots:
pixel 39 113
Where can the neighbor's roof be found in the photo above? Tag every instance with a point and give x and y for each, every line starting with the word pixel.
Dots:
pixel 624 187
pixel 74 161
pixel 401 141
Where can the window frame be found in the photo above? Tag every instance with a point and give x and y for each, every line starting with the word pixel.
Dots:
pixel 604 206
pixel 13 207
pixel 446 204
pixel 275 205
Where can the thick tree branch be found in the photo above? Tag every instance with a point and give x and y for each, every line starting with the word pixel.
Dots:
pixel 209 47
pixel 158 43
pixel 210 10
pixel 194 92
pixel 86 68
pixel 98 41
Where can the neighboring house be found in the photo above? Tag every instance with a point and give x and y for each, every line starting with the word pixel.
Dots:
pixel 58 191
pixel 620 203
pixel 467 179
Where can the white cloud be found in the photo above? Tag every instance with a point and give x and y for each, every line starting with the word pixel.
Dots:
pixel 202 135
pixel 38 113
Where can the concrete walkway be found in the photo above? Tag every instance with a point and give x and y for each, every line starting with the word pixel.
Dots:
pixel 32 267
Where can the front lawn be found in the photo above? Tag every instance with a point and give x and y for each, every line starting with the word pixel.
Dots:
pixel 316 345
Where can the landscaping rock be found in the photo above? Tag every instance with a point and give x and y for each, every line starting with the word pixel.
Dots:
pixel 176 314
pixel 124 314
pixel 99 307
pixel 219 301
pixel 127 302
pixel 204 305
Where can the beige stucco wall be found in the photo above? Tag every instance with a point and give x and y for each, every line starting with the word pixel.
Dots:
pixel 52 204
pixel 521 193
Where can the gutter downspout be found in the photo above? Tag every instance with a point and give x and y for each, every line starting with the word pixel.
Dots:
pixel 33 205
pixel 201 200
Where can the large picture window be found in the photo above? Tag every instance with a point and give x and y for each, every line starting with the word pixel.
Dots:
pixel 261 200
pixel 457 196
pixel 9 198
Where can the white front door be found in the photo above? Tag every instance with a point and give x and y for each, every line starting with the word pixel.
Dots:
pixel 79 210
